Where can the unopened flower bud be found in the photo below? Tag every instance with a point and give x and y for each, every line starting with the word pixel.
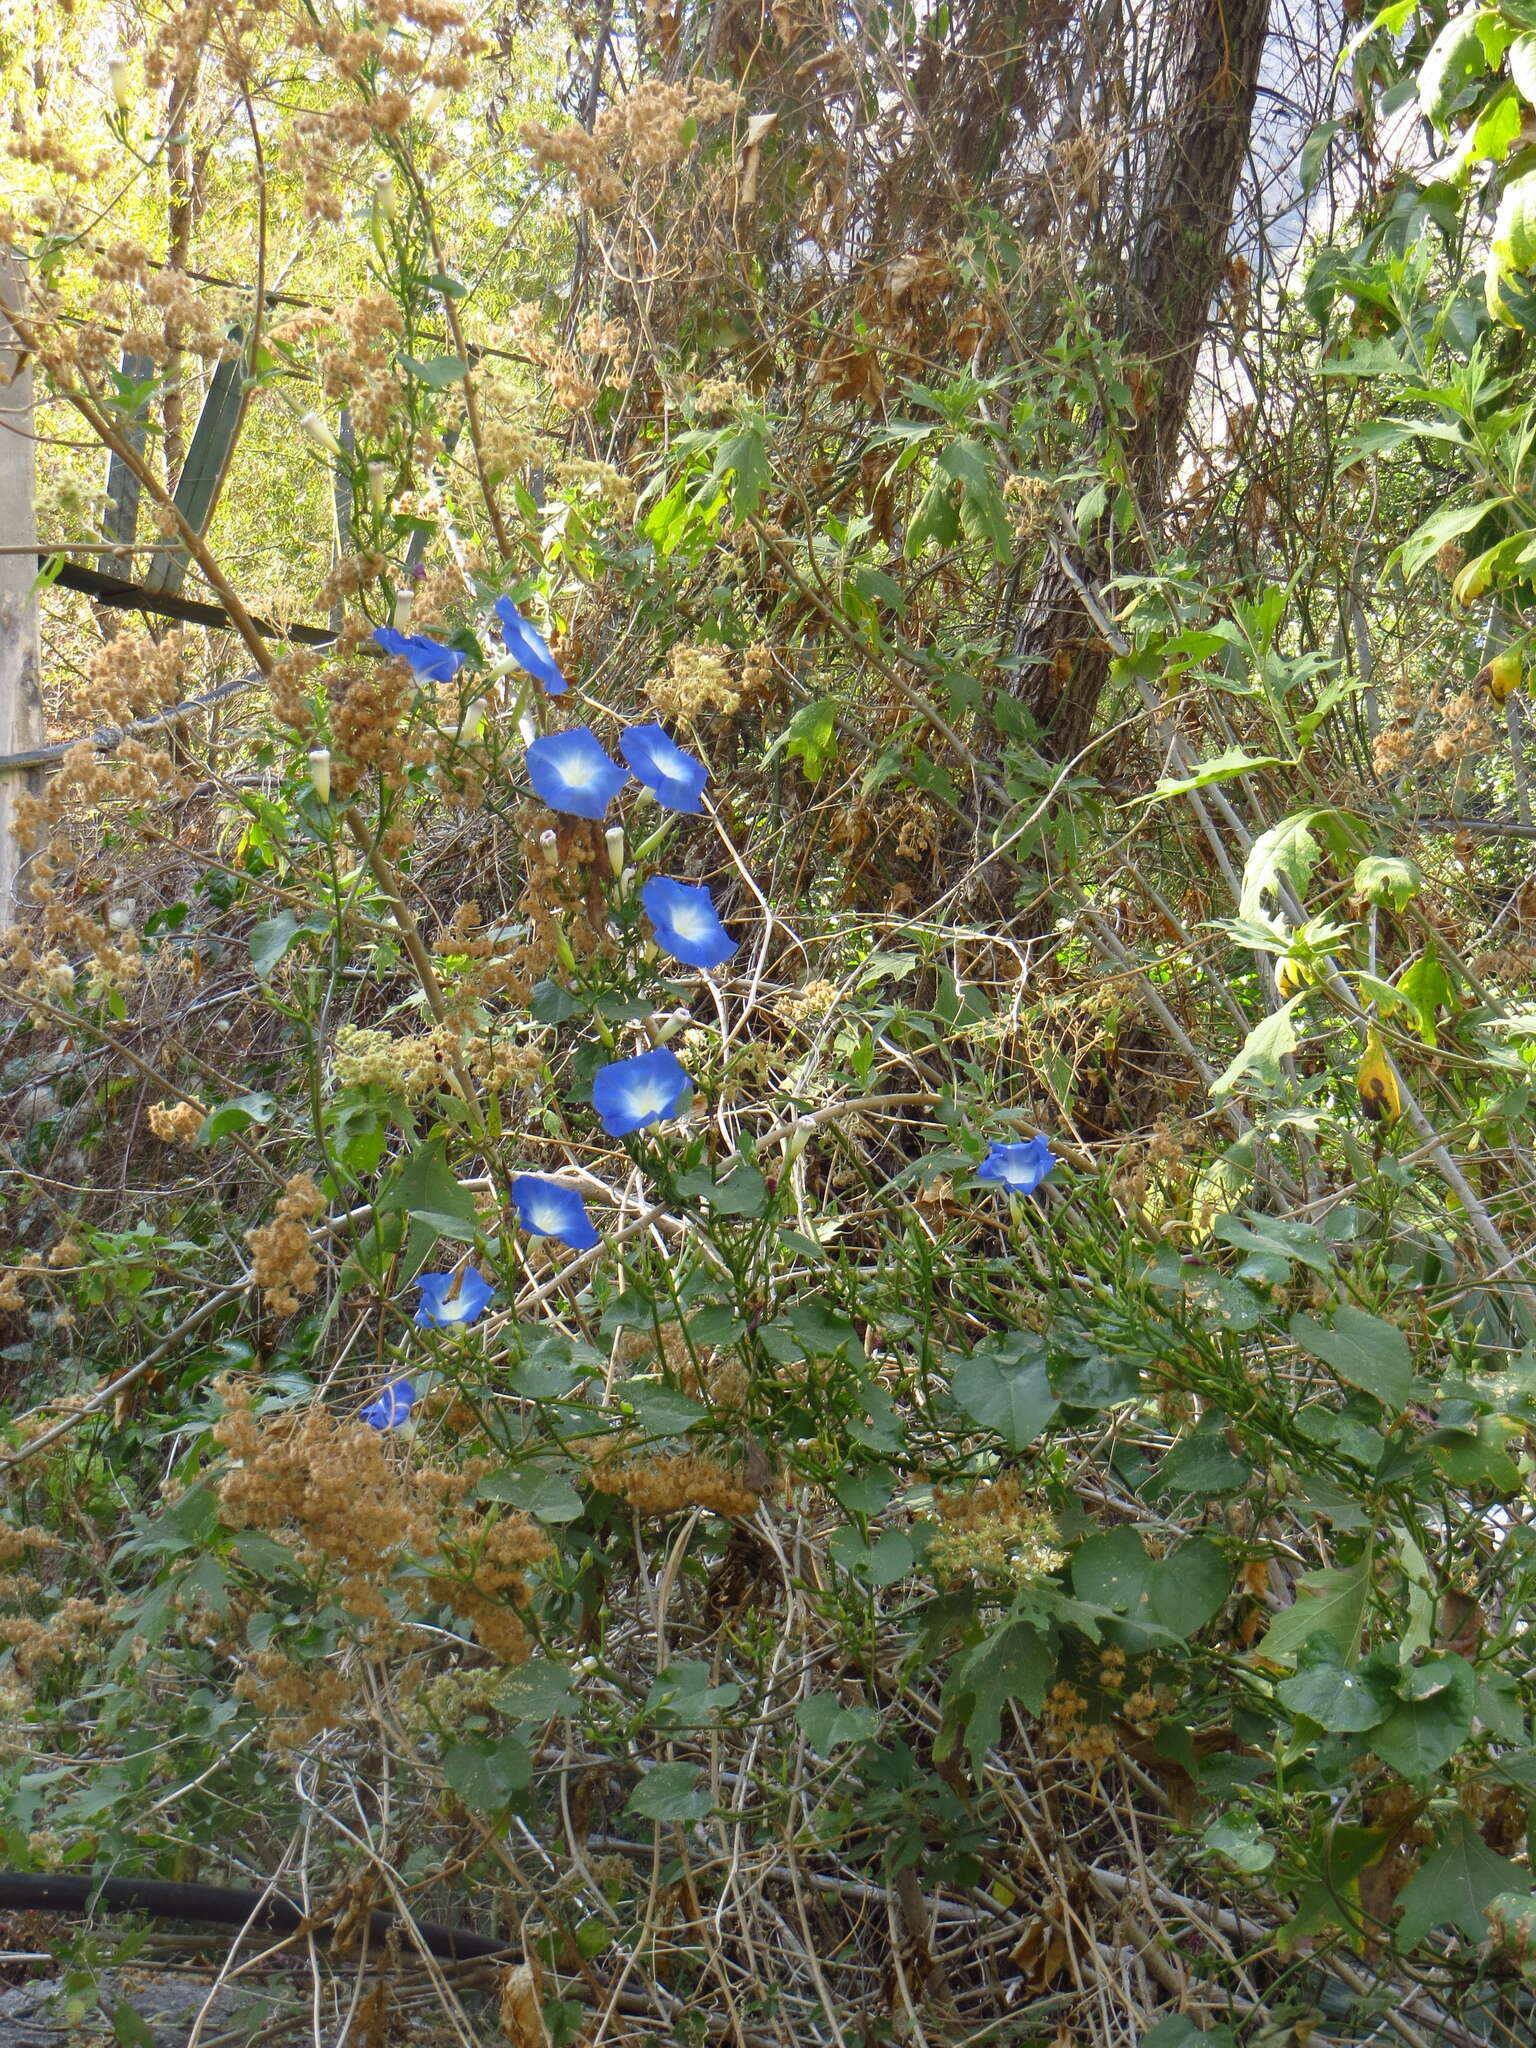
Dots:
pixel 385 197
pixel 320 772
pixel 120 76
pixel 563 950
pixel 663 1028
pixel 319 432
pixel 549 846
pixel 378 485
pixel 430 101
pixel 474 719
pixel 402 617
pixel 795 1140
pixel 613 838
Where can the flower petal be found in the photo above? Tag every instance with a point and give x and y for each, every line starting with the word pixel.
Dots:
pixel 1021 1167
pixel 548 1208
pixel 686 922
pixel 673 777
pixel 570 772
pixel 628 1094
pixel 528 647
pixel 428 658
pixel 452 1298
pixel 390 1408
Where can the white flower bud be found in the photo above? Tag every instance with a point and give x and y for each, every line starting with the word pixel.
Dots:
pixel 430 101
pixel 385 197
pixel 549 846
pixel 378 485
pixel 665 1027
pixel 796 1139
pixel 120 75
pixel 613 838
pixel 403 601
pixel 474 719
pixel 320 772
pixel 319 432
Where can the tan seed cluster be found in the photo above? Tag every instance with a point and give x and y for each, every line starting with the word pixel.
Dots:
pixel 282 1264
pixel 671 1482
pixel 176 1123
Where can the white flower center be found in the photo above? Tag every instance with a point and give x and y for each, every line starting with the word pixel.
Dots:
pixel 578 773
pixel 692 921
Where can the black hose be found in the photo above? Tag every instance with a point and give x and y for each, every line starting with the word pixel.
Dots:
pixel 46 1891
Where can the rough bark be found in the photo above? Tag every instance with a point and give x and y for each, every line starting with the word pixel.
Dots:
pixel 1178 260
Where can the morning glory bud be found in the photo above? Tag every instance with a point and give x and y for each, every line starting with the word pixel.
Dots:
pixel 663 1028
pixel 320 772
pixel 316 428
pixel 549 846
pixel 563 950
pixel 402 615
pixel 430 102
pixel 795 1140
pixel 385 197
pixel 613 839
pixel 378 485
pixel 120 75
pixel 474 719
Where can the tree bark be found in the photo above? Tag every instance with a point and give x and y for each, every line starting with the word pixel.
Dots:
pixel 21 704
pixel 1178 259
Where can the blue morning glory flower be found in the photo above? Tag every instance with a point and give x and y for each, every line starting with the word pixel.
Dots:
pixel 428 658
pixel 1019 1168
pixel 628 1094
pixel 527 647
pixel 570 772
pixel 439 1309
pixel 674 778
pixel 687 924
pixel 548 1208
pixel 389 1409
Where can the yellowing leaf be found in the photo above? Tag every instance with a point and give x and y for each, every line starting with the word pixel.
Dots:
pixel 1380 1096
pixel 1501 676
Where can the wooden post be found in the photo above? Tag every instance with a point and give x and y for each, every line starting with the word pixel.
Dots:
pixel 21 702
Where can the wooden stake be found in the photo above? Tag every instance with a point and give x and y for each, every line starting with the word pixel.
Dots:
pixel 21 702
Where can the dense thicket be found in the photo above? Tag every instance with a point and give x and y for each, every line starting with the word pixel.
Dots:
pixel 767 1036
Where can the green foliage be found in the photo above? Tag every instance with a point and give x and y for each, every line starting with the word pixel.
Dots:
pixel 846 1549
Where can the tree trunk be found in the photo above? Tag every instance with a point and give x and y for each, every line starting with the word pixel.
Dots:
pixel 21 707
pixel 1178 258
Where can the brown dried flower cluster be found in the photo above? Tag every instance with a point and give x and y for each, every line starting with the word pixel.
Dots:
pixel 336 1493
pixel 282 1264
pixel 176 1123
pixel 566 866
pixel 372 703
pixel 697 681
pixel 654 129
pixel 37 1643
pixel 671 1482
pixel 599 481
pixel 131 674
